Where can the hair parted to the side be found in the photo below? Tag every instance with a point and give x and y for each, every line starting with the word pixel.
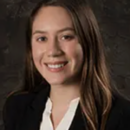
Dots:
pixel 95 92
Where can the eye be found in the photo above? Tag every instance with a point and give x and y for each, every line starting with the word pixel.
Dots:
pixel 41 39
pixel 67 37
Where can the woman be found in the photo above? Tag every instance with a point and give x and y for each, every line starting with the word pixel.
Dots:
pixel 67 84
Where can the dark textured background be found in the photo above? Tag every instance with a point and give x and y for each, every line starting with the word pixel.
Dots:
pixel 114 20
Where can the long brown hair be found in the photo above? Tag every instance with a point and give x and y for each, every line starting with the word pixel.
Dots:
pixel 95 92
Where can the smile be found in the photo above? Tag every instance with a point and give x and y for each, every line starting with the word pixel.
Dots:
pixel 56 67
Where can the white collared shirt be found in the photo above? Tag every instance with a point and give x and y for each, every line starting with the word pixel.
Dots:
pixel 46 123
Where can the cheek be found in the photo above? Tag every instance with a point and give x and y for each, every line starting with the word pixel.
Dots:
pixel 74 51
pixel 79 52
pixel 37 57
pixel 36 52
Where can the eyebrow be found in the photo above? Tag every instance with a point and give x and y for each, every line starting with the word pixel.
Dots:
pixel 61 30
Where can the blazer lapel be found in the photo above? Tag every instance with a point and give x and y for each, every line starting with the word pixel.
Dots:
pixel 33 114
pixel 79 122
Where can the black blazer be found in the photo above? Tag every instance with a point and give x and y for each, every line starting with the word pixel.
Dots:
pixel 24 112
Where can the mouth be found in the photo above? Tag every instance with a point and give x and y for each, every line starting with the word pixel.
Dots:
pixel 56 66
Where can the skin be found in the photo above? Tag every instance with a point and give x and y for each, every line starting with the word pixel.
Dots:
pixel 54 39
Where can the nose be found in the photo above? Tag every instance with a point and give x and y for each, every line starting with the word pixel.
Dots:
pixel 53 49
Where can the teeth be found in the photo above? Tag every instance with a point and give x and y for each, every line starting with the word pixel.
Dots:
pixel 56 66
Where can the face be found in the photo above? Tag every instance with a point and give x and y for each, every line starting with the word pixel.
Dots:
pixel 56 51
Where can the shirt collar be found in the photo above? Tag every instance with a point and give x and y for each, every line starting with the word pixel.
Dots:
pixel 72 104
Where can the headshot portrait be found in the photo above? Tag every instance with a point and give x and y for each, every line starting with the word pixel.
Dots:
pixel 67 82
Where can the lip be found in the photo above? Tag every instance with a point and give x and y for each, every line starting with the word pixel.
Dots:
pixel 56 62
pixel 56 69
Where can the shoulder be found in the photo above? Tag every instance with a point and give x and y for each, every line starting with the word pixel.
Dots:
pixel 16 102
pixel 121 103
pixel 14 107
pixel 119 115
pixel 19 99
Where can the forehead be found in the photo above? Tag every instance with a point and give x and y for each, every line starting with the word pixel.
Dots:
pixel 52 18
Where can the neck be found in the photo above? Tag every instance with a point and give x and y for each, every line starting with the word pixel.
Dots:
pixel 62 95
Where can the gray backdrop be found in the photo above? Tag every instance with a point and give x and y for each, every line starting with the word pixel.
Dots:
pixel 114 20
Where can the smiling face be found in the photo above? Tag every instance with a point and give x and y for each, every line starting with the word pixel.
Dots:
pixel 56 51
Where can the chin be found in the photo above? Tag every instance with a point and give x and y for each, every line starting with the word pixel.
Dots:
pixel 56 82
